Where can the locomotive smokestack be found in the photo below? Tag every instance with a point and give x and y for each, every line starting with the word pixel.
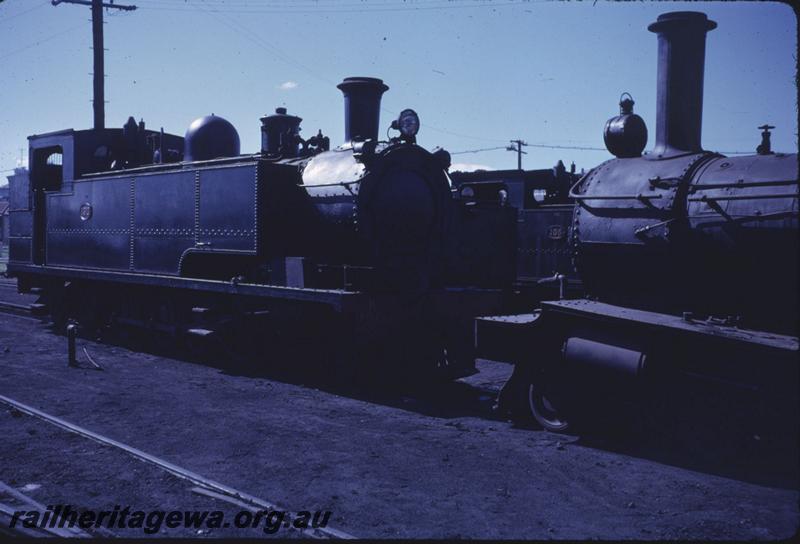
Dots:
pixel 681 60
pixel 362 104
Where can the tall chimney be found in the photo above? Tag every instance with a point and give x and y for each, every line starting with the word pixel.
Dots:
pixel 681 60
pixel 362 104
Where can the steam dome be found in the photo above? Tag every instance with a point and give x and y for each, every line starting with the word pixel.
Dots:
pixel 210 137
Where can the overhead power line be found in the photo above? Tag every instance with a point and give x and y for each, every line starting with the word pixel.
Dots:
pixel 11 17
pixel 573 147
pixel 317 8
pixel 478 150
pixel 98 101
pixel 526 144
pixel 580 148
pixel 259 40
pixel 459 135
pixel 42 40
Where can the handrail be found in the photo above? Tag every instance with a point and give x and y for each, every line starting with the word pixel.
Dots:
pixel 706 198
pixel 640 196
pixel 769 183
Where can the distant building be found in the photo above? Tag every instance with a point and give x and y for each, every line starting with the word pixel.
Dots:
pixel 5 205
pixel 523 188
pixel 4 232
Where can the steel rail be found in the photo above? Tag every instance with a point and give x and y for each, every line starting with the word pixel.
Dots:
pixel 175 470
pixel 17 310
pixel 62 532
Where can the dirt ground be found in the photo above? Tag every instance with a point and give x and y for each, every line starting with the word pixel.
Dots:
pixel 437 465
pixel 61 468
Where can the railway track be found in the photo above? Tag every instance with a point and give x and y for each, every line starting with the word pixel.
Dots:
pixel 12 500
pixel 8 290
pixel 19 310
pixel 202 485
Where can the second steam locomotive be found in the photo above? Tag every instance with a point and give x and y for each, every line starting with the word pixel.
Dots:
pixel 688 259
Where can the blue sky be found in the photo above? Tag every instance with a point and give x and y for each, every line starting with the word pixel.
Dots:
pixel 479 73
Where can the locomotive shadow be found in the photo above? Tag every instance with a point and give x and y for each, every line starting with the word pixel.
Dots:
pixel 700 430
pixel 719 438
pixel 311 366
pixel 712 438
pixel 439 399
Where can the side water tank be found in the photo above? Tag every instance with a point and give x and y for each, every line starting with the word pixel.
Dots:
pixel 210 137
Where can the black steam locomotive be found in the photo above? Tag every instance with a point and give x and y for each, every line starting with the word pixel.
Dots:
pixel 543 264
pixel 347 246
pixel 688 258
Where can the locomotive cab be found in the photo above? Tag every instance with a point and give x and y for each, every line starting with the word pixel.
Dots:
pixel 60 158
pixel 538 214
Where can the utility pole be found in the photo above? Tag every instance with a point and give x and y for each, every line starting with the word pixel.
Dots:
pixel 97 6
pixel 518 149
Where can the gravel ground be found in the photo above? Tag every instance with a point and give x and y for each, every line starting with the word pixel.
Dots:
pixel 62 468
pixel 437 465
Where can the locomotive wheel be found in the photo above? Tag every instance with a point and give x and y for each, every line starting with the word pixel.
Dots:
pixel 544 407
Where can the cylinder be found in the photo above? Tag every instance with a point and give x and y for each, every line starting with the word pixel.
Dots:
pixel 681 60
pixel 362 104
pixel 605 359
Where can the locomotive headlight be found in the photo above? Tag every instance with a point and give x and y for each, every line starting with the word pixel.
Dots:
pixel 407 123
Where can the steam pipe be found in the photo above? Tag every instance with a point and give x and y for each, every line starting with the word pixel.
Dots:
pixel 681 60
pixel 562 284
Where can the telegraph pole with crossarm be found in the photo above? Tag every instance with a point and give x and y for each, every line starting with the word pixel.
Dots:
pixel 518 149
pixel 97 6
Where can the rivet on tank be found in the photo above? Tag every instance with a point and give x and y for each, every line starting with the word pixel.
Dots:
pixel 625 135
